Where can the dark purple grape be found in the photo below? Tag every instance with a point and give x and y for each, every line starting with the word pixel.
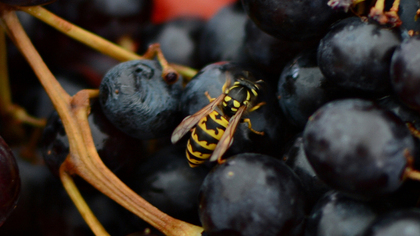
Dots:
pixel 252 194
pixel 399 222
pixel 356 55
pixel 267 118
pixel 115 20
pixel 57 215
pixel 178 40
pixel 358 148
pixel 110 19
pixel 405 74
pixel 9 181
pixel 167 182
pixel 303 88
pixel 268 52
pixel 407 115
pixel 70 81
pixel 138 101
pixel 296 159
pixel 407 11
pixel 338 215
pixel 24 220
pixel 290 19
pixel 27 2
pixel 222 38
pixel 119 152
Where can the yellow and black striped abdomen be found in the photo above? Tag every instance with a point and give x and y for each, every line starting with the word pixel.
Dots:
pixel 204 138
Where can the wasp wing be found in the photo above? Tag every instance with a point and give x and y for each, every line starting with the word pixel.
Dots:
pixel 227 138
pixel 192 120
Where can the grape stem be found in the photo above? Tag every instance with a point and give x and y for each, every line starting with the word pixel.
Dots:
pixel 81 204
pixel 84 159
pixel 415 132
pixel 417 15
pixel 5 96
pixel 155 51
pixel 409 171
pixel 100 44
pixel 390 17
pixel 7 108
pixel 112 186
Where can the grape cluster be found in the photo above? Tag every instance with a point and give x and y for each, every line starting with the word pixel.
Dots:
pixel 328 143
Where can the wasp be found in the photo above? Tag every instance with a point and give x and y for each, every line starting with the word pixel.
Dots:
pixel 212 128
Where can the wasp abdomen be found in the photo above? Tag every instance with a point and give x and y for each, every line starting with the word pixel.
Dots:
pixel 204 138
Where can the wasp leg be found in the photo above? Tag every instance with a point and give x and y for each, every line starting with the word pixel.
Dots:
pixel 220 160
pixel 208 96
pixel 247 120
pixel 256 106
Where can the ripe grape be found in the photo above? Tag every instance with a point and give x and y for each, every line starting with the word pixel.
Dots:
pixel 178 40
pixel 26 2
pixel 138 101
pixel 405 73
pixel 167 181
pixel 358 148
pixel 119 152
pixel 356 55
pixel 303 88
pixel 296 159
pixel 268 52
pixel 407 12
pixel 222 38
pixel 399 222
pixel 337 214
pixel 353 147
pixel 252 194
pixel 9 181
pixel 292 20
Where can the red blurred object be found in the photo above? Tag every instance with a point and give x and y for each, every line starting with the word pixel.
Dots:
pixel 164 10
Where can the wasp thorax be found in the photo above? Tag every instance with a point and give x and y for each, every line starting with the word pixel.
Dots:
pixel 237 96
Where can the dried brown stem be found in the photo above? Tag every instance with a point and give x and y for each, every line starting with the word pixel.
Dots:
pixel 410 172
pixel 104 46
pixel 5 96
pixel 96 173
pixel 390 17
pixel 168 73
pixel 7 108
pixel 377 12
pixel 81 35
pixel 83 159
pixel 81 204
